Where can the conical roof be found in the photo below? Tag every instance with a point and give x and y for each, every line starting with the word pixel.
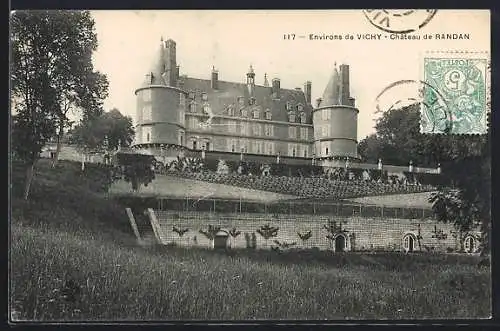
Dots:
pixel 331 95
pixel 156 68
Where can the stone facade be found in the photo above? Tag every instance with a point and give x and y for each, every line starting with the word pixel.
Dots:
pixel 216 115
pixel 349 233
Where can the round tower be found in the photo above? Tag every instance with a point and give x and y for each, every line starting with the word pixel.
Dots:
pixel 335 120
pixel 160 106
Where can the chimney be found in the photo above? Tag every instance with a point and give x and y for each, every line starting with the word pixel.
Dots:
pixel 215 79
pixel 276 88
pixel 344 84
pixel 170 58
pixel 177 71
pixel 307 92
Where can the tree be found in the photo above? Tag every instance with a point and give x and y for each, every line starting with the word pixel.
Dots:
pixel 105 132
pixel 267 232
pixel 137 168
pixel 305 236
pixel 51 67
pixel 464 189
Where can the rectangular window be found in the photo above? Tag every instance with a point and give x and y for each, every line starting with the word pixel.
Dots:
pixel 244 128
pixel 181 138
pixel 193 122
pixel 256 114
pixel 303 133
pixel 269 148
pixel 292 150
pixel 326 130
pixel 269 130
pixel 304 151
pixel 325 115
pixel 232 126
pixel 292 132
pixel 147 113
pixel 182 100
pixel 146 134
pixel 243 146
pixel 256 129
pixel 146 95
pixel 232 146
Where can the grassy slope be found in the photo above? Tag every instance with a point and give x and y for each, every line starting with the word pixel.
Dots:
pixel 70 234
pixel 408 200
pixel 181 187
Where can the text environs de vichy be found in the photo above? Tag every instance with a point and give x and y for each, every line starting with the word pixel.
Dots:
pixel 384 36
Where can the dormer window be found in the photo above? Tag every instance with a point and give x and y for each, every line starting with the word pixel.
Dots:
pixel 241 101
pixel 268 114
pixel 288 105
pixel 244 113
pixel 191 95
pixel 204 96
pixel 303 118
pixel 256 114
pixel 230 110
pixel 300 107
pixel 251 101
pixel 291 117
pixel 192 107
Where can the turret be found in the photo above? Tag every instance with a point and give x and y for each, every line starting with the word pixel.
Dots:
pixel 215 79
pixel 335 119
pixel 251 82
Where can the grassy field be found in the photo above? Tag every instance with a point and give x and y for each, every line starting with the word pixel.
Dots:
pixel 73 257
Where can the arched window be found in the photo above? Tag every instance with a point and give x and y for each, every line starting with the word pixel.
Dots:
pixel 340 243
pixel 244 113
pixel 409 242
pixel 470 244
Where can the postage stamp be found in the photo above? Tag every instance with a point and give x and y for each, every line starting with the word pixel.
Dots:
pixel 461 79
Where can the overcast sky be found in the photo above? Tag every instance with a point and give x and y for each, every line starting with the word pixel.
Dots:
pixel 232 40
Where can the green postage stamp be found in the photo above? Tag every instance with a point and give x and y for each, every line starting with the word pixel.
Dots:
pixel 456 93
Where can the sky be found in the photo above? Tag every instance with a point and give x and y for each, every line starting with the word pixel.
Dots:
pixel 233 40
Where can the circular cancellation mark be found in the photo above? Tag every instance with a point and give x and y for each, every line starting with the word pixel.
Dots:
pixel 399 20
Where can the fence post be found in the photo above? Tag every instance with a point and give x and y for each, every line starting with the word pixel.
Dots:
pixel 214 205
pixel 382 211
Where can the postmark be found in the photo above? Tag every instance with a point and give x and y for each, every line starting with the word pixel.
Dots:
pixel 407 92
pixel 399 20
pixel 461 79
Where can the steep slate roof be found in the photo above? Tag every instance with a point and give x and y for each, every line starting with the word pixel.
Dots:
pixel 227 93
pixel 331 95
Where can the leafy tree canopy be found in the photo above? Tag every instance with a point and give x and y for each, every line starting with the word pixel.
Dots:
pixel 51 71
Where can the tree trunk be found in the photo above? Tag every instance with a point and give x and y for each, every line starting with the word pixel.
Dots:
pixel 30 170
pixel 83 161
pixel 58 148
